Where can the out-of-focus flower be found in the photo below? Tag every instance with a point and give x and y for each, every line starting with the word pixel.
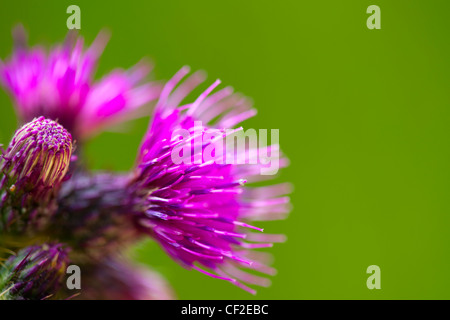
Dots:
pixel 59 85
pixel 35 273
pixel 31 171
pixel 93 215
pixel 117 279
pixel 198 211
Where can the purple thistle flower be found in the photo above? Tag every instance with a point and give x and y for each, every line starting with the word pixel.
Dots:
pixel 31 171
pixel 59 85
pixel 199 212
pixel 35 273
pixel 116 279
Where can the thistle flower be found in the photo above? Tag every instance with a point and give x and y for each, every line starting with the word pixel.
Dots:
pixel 199 212
pixel 35 273
pixel 31 171
pixel 117 279
pixel 59 85
pixel 93 214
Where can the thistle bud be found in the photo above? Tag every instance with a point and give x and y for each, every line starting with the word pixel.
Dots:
pixel 35 273
pixel 31 170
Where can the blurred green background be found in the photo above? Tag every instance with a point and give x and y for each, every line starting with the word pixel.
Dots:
pixel 363 116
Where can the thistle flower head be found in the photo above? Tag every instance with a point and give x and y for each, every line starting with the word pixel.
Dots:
pixel 198 211
pixel 35 273
pixel 38 156
pixel 31 171
pixel 59 85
